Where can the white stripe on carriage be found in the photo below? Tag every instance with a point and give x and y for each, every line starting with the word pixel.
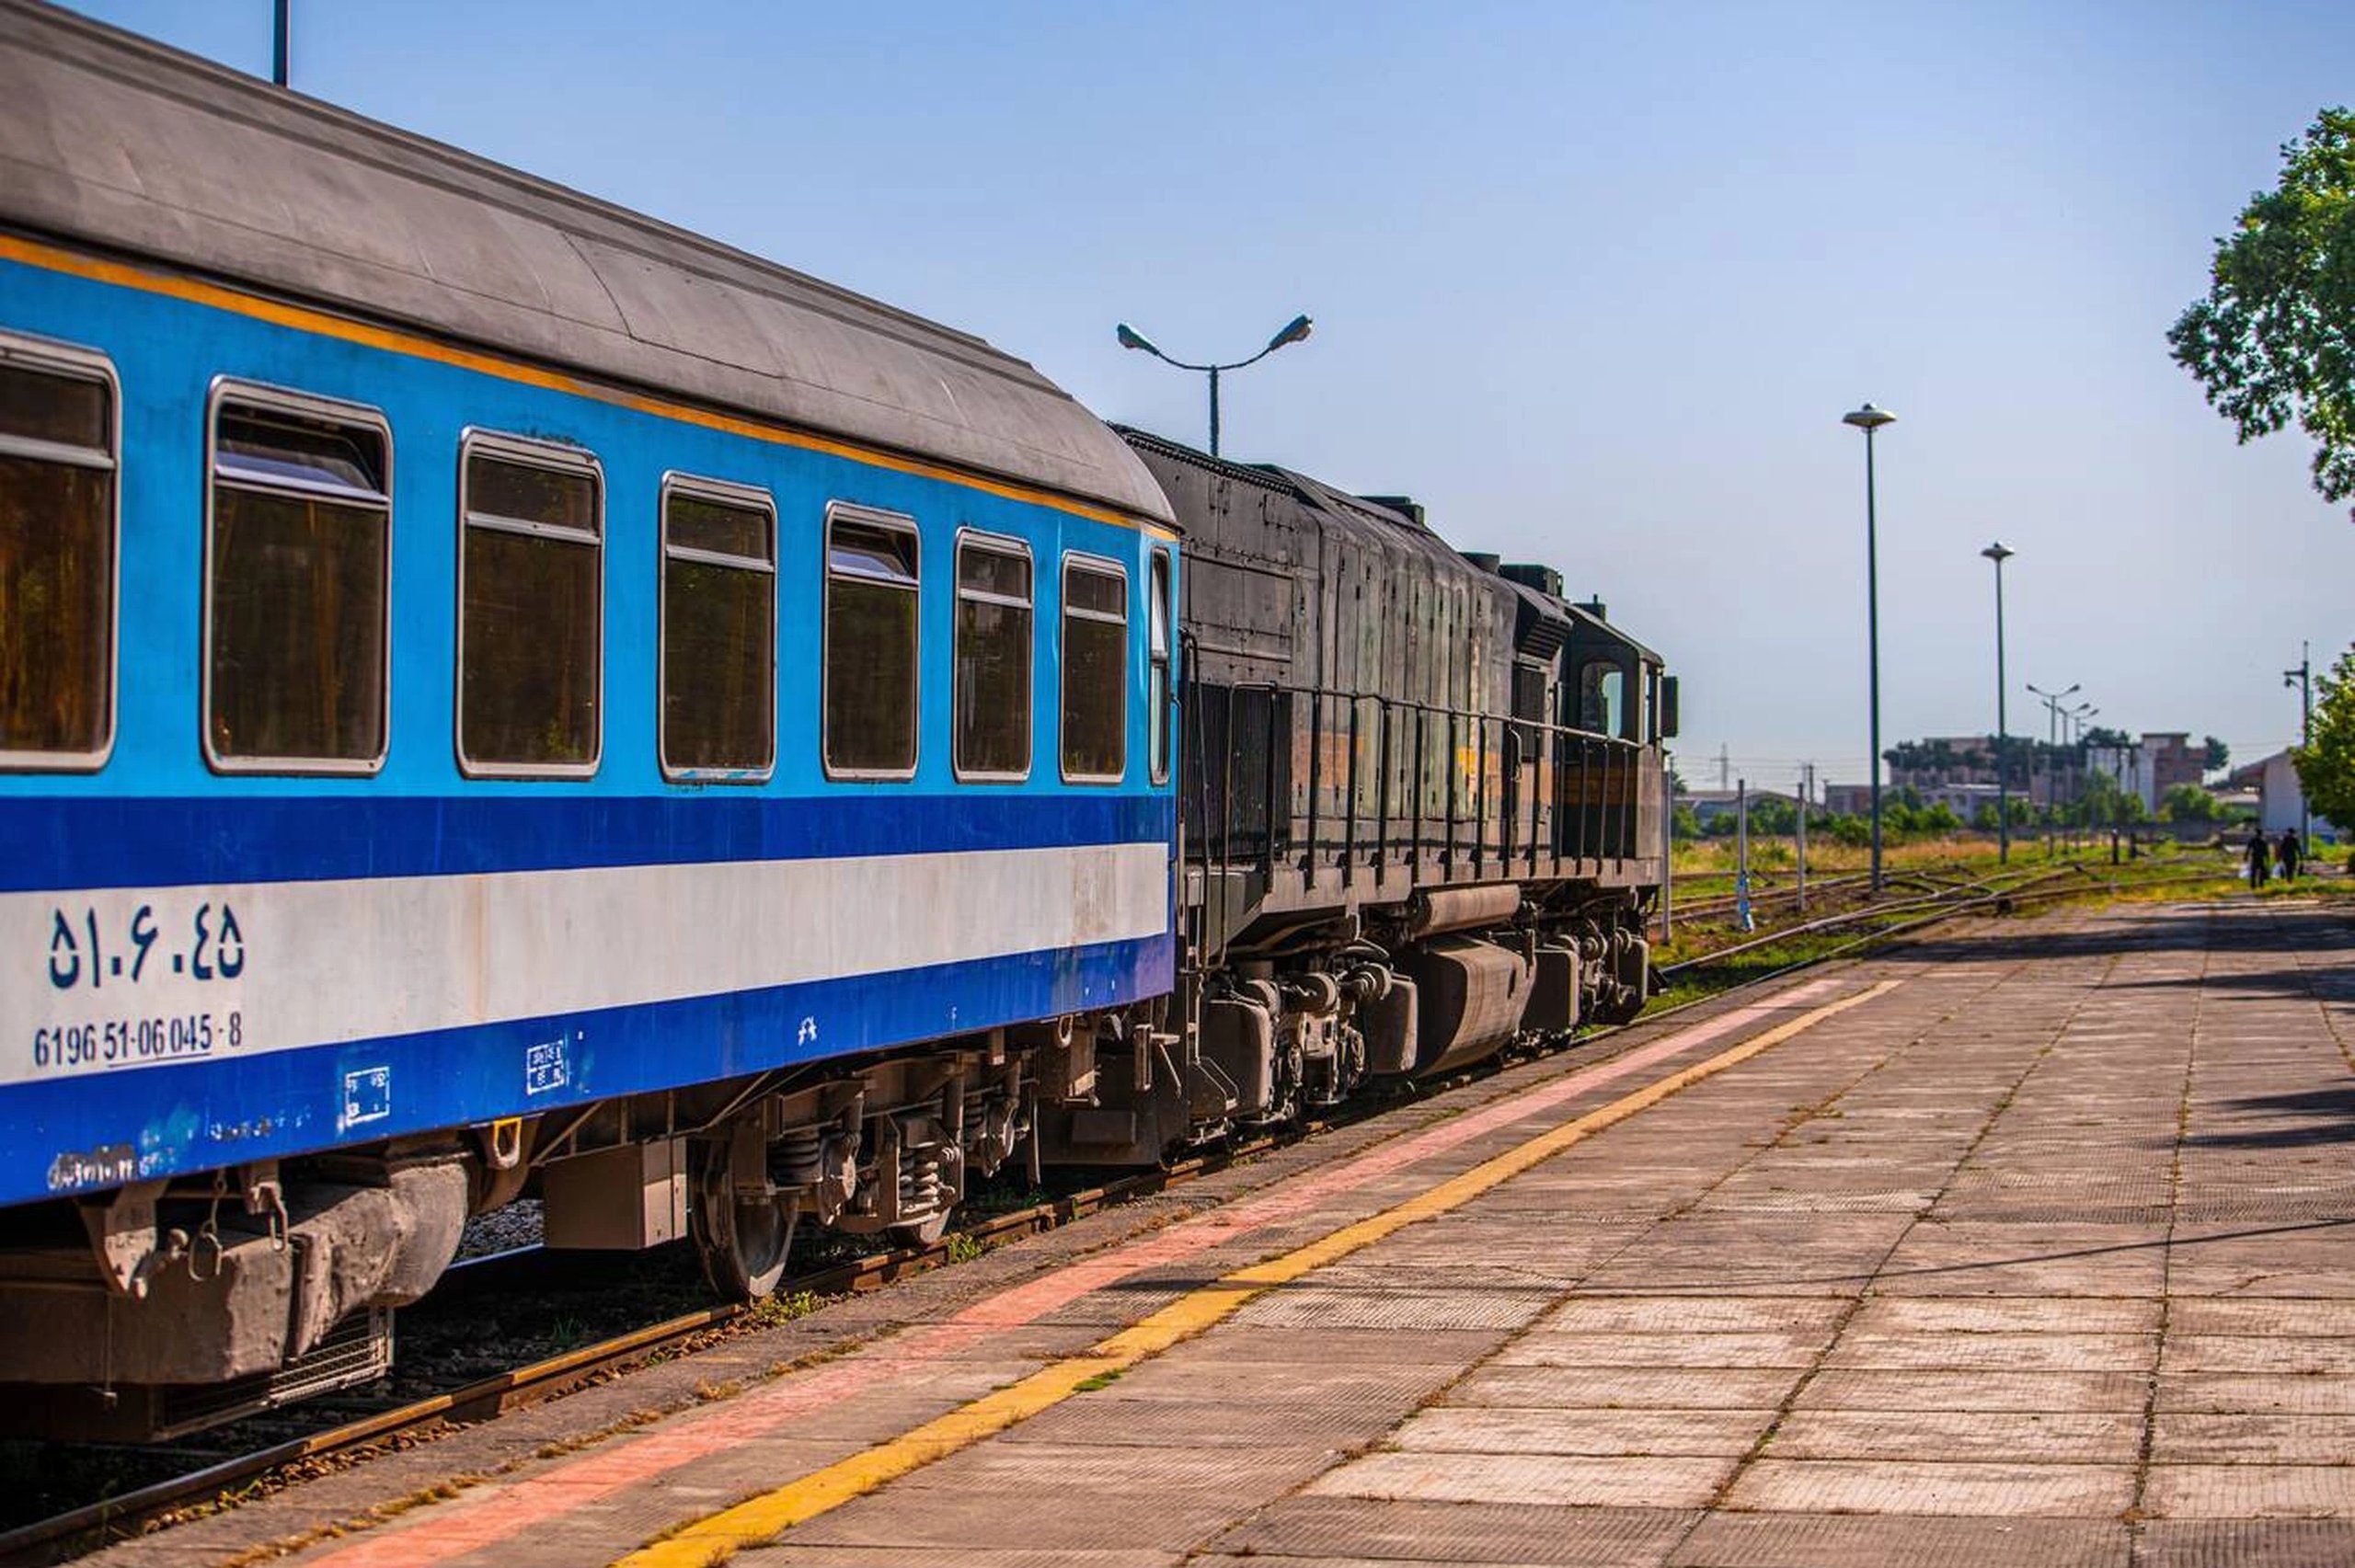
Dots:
pixel 285 965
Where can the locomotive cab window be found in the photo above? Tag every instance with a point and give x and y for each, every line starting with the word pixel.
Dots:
pixel 296 589
pixel 58 437
pixel 530 608
pixel 993 644
pixel 870 703
pixel 1157 651
pixel 1602 696
pixel 718 668
pixel 1096 670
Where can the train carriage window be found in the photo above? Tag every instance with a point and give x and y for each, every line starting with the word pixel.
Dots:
pixel 871 582
pixel 297 585
pixel 1096 670
pixel 58 528
pixel 993 656
pixel 719 658
pixel 530 608
pixel 1157 651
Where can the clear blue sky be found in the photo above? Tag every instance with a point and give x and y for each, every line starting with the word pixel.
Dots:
pixel 1595 281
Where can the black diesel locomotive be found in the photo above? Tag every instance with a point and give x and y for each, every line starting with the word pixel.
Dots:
pixel 1421 811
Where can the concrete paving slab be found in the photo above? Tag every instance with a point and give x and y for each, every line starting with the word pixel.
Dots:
pixel 2274 1437
pixel 1583 1313
pixel 1631 1481
pixel 1798 1347
pixel 2250 1491
pixel 2225 1393
pixel 1819 1540
pixel 2003 1314
pixel 2029 1393
pixel 1490 1533
pixel 1631 1388
pixel 2227 1543
pixel 1245 1421
pixel 1322 1306
pixel 1573 1430
pixel 1996 1352
pixel 1920 1486
pixel 2036 1438
pixel 2297 1356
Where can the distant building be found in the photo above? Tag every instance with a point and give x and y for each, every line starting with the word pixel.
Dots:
pixel 1963 800
pixel 2280 799
pixel 1709 804
pixel 1848 799
pixel 2151 767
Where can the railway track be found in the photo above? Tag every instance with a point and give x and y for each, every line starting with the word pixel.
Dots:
pixel 132 1513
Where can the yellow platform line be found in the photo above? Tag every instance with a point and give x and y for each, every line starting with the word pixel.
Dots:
pixel 761 1519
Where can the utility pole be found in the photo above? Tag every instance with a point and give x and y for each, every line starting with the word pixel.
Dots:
pixel 279 39
pixel 2302 678
pixel 1741 856
pixel 1807 788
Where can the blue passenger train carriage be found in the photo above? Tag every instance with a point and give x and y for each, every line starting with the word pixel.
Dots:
pixel 496 690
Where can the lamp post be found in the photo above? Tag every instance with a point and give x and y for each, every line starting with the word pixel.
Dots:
pixel 282 25
pixel 1870 420
pixel 1999 555
pixel 2080 760
pixel 1294 331
pixel 2302 678
pixel 2053 700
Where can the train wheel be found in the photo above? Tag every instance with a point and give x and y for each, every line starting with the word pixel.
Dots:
pixel 744 1241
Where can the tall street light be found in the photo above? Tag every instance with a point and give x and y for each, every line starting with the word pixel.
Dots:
pixel 1870 420
pixel 1296 330
pixel 1999 555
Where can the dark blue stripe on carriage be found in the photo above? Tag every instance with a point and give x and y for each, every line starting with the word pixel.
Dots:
pixel 78 1133
pixel 75 843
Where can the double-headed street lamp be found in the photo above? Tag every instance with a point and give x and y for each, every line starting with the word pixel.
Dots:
pixel 1999 555
pixel 1294 331
pixel 1870 420
pixel 2053 700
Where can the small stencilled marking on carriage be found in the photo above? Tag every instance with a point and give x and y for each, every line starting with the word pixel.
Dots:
pixel 367 1095
pixel 509 1512
pixel 107 1165
pixel 544 1067
pixel 764 1518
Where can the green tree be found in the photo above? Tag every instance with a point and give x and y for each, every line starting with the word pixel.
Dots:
pixel 2188 802
pixel 2217 755
pixel 1683 823
pixel 2326 766
pixel 2274 339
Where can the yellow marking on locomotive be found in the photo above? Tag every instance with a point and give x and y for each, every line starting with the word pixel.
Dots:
pixel 279 313
pixel 761 1519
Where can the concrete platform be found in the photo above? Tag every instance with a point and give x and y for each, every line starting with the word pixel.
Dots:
pixel 2043 1255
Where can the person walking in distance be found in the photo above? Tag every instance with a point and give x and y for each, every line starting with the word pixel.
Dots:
pixel 2260 856
pixel 2289 854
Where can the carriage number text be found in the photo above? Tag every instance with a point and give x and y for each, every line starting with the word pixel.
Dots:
pixel 82 953
pixel 119 1040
